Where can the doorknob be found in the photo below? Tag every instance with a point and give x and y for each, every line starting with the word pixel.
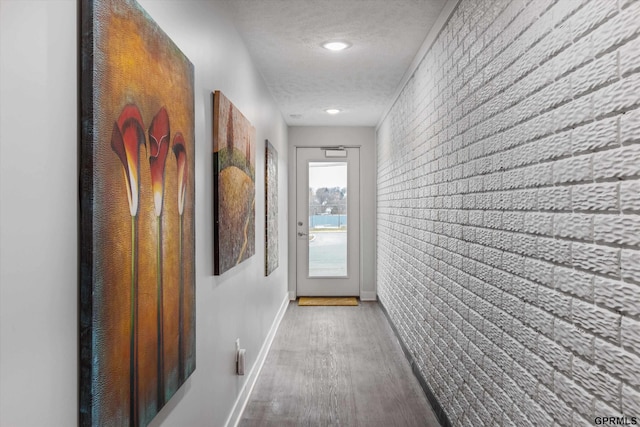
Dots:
pixel 300 234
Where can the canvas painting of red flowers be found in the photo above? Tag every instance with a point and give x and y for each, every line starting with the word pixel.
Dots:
pixel 137 216
pixel 234 191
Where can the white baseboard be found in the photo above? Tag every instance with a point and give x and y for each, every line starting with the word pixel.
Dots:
pixel 292 295
pixel 241 402
pixel 368 296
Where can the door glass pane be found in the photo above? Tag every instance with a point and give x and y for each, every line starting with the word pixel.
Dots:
pixel 327 219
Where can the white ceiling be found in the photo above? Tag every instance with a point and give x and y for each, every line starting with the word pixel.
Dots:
pixel 284 38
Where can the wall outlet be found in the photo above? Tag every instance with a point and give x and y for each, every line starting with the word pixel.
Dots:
pixel 240 362
pixel 240 357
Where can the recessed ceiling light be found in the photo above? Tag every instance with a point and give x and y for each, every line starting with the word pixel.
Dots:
pixel 336 45
pixel 332 110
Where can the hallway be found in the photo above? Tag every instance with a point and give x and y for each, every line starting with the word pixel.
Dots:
pixel 339 366
pixel 499 189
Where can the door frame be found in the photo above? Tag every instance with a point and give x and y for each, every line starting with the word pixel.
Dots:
pixel 292 227
pixel 347 285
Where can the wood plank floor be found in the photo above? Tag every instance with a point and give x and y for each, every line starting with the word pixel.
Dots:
pixel 337 366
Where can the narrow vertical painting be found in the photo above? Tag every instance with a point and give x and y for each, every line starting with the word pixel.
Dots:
pixel 271 209
pixel 137 207
pixel 234 158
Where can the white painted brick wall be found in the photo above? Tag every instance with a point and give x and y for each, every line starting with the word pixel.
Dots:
pixel 509 213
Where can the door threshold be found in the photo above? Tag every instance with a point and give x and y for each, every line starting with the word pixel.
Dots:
pixel 330 301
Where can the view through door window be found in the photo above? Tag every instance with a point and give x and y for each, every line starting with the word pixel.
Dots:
pixel 327 219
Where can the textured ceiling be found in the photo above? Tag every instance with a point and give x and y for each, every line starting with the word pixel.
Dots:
pixel 284 38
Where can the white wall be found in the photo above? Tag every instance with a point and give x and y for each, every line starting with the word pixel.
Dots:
pixel 314 136
pixel 508 213
pixel 38 214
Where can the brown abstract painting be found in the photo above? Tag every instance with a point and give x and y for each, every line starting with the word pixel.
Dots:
pixel 271 209
pixel 137 197
pixel 234 191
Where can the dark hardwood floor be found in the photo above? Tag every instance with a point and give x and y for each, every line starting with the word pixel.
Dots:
pixel 337 366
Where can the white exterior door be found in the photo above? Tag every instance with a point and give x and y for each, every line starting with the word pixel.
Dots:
pixel 327 222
